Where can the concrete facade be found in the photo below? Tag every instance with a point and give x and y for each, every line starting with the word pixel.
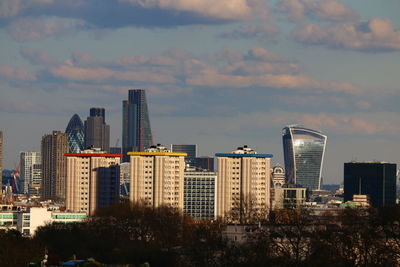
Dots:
pixel 157 177
pixel 243 184
pixel 92 180
pixel 54 146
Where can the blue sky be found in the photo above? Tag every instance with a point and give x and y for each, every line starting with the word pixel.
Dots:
pixel 218 73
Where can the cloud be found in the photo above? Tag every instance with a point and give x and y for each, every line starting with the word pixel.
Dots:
pixel 353 124
pixel 16 73
pixel 74 73
pixel 331 10
pixel 112 14
pixel 375 35
pixel 222 9
pixel 36 57
pixel 31 28
pixel 9 8
pixel 258 32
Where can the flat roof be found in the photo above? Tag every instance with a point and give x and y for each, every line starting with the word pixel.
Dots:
pixel 234 155
pixel 92 155
pixel 174 154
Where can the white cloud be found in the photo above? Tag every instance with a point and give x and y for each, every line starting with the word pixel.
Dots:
pixel 31 28
pixel 374 35
pixel 332 10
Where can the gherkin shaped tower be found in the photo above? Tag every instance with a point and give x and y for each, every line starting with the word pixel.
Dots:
pixel 76 135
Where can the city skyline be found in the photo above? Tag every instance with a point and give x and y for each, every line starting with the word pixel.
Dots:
pixel 216 74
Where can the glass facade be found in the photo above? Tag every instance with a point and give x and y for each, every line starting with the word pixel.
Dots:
pixel 76 136
pixel 375 179
pixel 303 153
pixel 199 195
pixel 136 130
pixel 191 151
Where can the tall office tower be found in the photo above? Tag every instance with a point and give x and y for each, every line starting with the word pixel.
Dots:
pixel 97 132
pixel 98 112
pixel 92 180
pixel 136 130
pixel 76 134
pixel 375 179
pixel 1 161
pixel 304 153
pixel 205 163
pixel 199 194
pixel 243 185
pixel 30 161
pixel 54 146
pixel 278 176
pixel 157 177
pixel 190 150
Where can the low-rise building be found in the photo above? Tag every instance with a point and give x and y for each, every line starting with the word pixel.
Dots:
pixel 28 219
pixel 289 197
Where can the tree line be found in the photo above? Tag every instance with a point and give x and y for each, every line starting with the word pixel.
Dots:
pixel 133 235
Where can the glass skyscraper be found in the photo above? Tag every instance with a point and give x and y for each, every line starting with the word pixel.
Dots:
pixel 76 136
pixel 136 130
pixel 375 179
pixel 303 153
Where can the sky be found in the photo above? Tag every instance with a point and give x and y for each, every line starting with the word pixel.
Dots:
pixel 219 74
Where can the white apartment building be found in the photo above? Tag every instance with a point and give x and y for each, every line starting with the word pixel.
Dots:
pixel 243 185
pixel 31 171
pixel 157 177
pixel 92 180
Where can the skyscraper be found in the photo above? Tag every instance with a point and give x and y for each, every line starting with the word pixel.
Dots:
pixel 243 185
pixel 76 134
pixel 136 130
pixel 97 132
pixel 92 180
pixel 54 146
pixel 1 161
pixel 375 179
pixel 303 153
pixel 190 150
pixel 30 169
pixel 157 177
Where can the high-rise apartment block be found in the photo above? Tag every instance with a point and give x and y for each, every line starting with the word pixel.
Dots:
pixel 76 134
pixel 31 171
pixel 157 177
pixel 97 132
pixel 377 180
pixel 54 146
pixel 136 130
pixel 243 185
pixel 190 150
pixel 304 154
pixel 1 161
pixel 92 180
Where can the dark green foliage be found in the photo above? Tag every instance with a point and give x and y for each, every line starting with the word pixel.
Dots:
pixel 135 235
